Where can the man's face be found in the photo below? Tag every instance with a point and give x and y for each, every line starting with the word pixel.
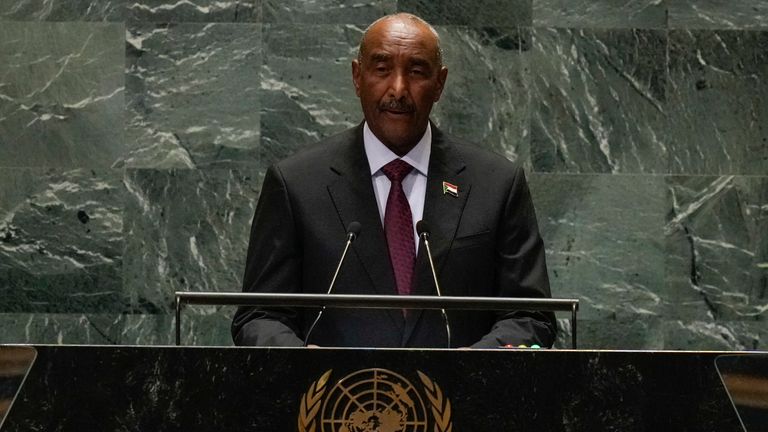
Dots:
pixel 398 79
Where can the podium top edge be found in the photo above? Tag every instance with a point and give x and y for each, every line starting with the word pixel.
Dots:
pixel 321 349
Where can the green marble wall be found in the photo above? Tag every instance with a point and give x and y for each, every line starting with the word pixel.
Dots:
pixel 134 136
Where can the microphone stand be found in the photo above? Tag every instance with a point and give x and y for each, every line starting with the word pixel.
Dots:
pixel 421 228
pixel 353 230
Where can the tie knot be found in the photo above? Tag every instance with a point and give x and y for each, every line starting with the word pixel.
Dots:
pixel 396 170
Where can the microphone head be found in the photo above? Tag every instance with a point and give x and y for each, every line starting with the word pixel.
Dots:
pixel 353 229
pixel 422 228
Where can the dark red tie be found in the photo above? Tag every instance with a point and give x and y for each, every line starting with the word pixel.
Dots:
pixel 398 225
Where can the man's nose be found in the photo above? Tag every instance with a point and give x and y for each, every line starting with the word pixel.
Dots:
pixel 398 87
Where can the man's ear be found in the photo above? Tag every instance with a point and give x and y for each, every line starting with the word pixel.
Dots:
pixel 356 72
pixel 442 76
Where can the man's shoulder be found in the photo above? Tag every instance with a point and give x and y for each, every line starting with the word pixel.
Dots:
pixel 321 153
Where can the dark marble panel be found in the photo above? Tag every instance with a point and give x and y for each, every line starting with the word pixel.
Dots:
pixel 186 230
pixel 306 86
pixel 722 14
pixel 475 13
pixel 717 249
pixel 67 328
pixel 639 333
pixel 61 240
pixel 486 99
pixel 707 335
pixel 600 13
pixel 200 326
pixel 61 94
pixel 604 240
pixel 191 93
pixel 717 102
pixel 598 101
pixel 62 10
pixel 195 11
pixel 327 11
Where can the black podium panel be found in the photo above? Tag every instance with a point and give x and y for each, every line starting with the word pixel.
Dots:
pixel 94 388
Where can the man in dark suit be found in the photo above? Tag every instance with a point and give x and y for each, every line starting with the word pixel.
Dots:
pixel 392 170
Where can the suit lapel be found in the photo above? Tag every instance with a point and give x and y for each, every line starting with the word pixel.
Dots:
pixel 352 194
pixel 442 212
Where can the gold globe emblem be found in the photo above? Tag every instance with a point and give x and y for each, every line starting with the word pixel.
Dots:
pixel 373 400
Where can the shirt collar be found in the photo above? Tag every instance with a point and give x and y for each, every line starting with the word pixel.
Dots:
pixel 379 155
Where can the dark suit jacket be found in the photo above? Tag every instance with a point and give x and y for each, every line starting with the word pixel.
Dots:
pixel 485 242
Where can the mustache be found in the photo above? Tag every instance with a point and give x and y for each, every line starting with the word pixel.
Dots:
pixel 397 105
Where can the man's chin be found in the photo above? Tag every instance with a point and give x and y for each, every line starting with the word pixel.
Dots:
pixel 398 132
pixel 400 143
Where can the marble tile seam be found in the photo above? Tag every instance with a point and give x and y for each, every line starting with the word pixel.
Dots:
pixel 131 23
pixel 293 24
pixel 357 24
pixel 664 28
pixel 59 21
pixel 623 174
pixel 203 170
pixel 134 23
pixel 64 23
pixel 126 170
pixel 719 29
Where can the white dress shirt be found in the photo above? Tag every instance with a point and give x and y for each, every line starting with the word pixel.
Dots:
pixel 414 184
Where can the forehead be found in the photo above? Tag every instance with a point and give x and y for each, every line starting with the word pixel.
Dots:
pixel 401 37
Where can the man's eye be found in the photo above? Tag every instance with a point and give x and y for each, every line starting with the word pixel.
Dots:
pixel 417 71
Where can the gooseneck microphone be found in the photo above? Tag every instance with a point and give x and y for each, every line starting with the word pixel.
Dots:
pixel 353 230
pixel 423 230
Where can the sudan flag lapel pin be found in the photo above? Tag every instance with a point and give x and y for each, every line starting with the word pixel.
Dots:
pixel 450 189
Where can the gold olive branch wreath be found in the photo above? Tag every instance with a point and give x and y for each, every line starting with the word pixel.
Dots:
pixel 311 401
pixel 441 406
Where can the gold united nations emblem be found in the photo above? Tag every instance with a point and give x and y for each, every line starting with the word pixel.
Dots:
pixel 374 400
